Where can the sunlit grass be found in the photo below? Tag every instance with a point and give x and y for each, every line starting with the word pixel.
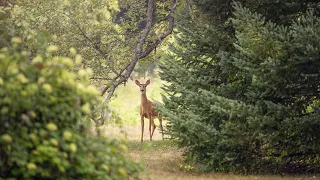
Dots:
pixel 164 161
pixel 151 145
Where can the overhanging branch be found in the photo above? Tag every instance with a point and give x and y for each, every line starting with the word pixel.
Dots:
pixel 165 34
pixel 139 52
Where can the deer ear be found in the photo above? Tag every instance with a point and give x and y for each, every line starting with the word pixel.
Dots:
pixel 137 82
pixel 148 82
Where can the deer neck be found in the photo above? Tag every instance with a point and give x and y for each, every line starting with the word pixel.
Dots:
pixel 144 100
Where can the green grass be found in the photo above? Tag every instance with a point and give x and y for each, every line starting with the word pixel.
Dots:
pixel 151 146
pixel 164 161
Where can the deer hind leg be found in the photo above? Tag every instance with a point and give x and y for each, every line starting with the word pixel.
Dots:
pixel 142 128
pixel 150 121
pixel 154 127
pixel 161 127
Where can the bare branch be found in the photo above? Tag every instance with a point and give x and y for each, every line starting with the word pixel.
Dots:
pixel 165 34
pixel 139 52
pixel 105 89
pixel 129 68
pixel 98 78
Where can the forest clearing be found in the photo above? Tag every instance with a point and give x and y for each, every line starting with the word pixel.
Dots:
pixel 86 85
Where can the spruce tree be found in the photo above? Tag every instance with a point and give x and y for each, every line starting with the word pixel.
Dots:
pixel 246 99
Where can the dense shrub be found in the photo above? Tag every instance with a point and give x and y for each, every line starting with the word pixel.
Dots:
pixel 43 100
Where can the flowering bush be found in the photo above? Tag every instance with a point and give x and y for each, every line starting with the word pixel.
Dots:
pixel 42 103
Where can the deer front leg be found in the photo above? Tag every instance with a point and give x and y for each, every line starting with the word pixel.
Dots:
pixel 142 128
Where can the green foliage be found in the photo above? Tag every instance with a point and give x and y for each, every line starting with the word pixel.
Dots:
pixel 247 102
pixel 104 32
pixel 43 100
pixel 88 25
pixel 277 11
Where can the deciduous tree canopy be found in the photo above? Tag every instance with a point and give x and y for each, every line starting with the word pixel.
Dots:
pixel 111 35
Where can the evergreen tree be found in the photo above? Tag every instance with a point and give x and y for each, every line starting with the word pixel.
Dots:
pixel 248 99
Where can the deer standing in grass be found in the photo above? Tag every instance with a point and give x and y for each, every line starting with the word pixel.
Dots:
pixel 147 110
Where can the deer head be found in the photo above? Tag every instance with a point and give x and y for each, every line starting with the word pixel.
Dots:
pixel 143 87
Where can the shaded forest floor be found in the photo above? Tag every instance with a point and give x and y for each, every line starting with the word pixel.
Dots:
pixel 163 160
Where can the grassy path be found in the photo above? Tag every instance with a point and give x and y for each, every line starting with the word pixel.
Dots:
pixel 163 161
